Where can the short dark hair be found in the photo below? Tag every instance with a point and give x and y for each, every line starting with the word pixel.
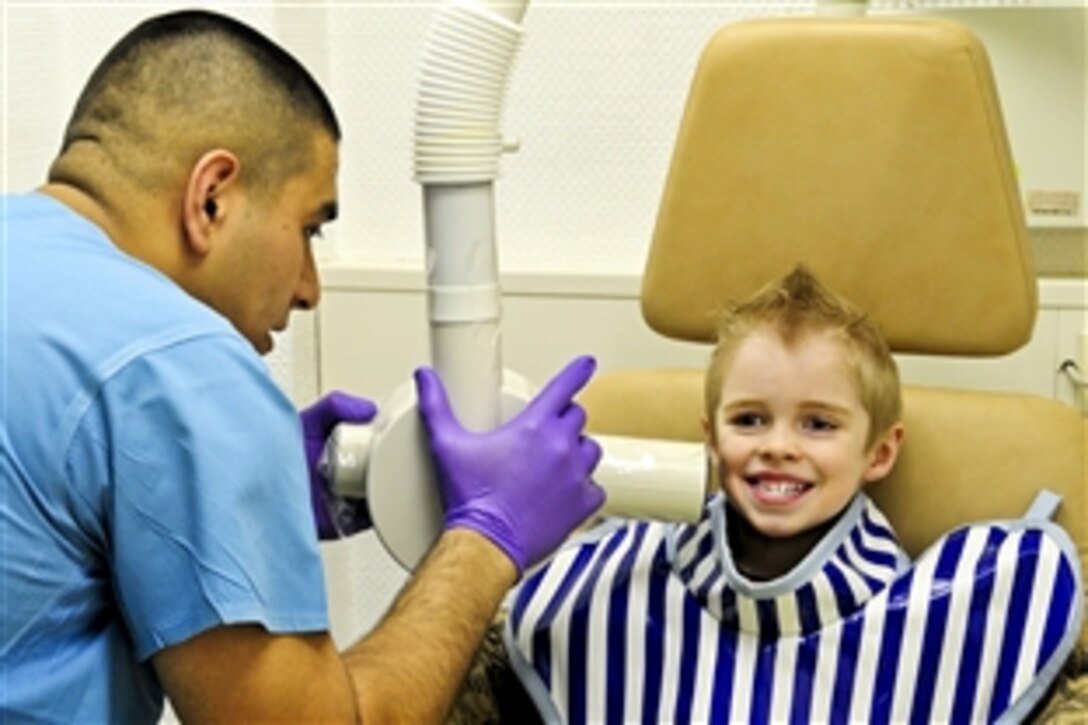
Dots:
pixel 197 78
pixel 282 70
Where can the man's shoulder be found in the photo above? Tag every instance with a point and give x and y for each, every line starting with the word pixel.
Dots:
pixel 81 313
pixel 72 289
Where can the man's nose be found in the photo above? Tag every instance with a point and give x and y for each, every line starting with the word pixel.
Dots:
pixel 308 293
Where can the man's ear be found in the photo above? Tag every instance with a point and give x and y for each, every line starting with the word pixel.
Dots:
pixel 205 205
pixel 883 455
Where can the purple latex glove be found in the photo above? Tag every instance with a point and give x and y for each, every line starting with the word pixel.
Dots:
pixel 335 516
pixel 525 485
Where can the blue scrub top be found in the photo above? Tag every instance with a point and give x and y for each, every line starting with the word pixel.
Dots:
pixel 154 483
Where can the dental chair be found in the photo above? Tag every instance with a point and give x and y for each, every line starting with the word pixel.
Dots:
pixel 873 151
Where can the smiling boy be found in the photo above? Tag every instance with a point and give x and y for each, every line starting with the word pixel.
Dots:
pixel 802 410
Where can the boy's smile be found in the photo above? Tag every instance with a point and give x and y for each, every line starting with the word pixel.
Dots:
pixel 774 488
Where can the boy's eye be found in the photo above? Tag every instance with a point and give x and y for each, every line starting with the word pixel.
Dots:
pixel 747 420
pixel 819 424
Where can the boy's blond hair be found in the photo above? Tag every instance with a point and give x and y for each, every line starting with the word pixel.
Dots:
pixel 799 305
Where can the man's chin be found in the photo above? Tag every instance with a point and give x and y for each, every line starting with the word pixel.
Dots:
pixel 263 344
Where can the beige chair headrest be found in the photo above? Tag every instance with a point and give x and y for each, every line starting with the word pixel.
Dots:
pixel 873 150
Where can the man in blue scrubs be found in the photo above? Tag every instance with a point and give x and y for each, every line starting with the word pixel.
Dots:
pixel 157 529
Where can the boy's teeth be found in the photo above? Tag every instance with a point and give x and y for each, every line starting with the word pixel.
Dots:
pixel 780 488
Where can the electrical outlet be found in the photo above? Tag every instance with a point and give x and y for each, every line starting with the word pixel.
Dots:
pixel 1053 203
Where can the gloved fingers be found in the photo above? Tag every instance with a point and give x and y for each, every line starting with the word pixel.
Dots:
pixel 334 408
pixel 591 452
pixel 558 394
pixel 351 409
pixel 593 497
pixel 434 404
pixel 572 421
pixel 569 426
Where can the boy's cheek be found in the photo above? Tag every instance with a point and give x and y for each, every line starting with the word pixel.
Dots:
pixel 714 482
pixel 717 476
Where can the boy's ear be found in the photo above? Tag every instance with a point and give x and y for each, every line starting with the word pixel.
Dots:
pixel 883 455
pixel 708 438
pixel 713 461
pixel 206 204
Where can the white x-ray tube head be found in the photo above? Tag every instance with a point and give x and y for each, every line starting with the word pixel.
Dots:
pixel 389 463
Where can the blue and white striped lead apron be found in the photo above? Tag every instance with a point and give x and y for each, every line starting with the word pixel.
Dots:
pixel 650 622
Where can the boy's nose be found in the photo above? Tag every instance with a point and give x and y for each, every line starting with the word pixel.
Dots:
pixel 780 442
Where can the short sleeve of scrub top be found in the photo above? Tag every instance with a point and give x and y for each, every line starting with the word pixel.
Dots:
pixel 207 512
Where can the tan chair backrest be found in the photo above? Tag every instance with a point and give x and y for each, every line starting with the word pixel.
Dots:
pixel 874 151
